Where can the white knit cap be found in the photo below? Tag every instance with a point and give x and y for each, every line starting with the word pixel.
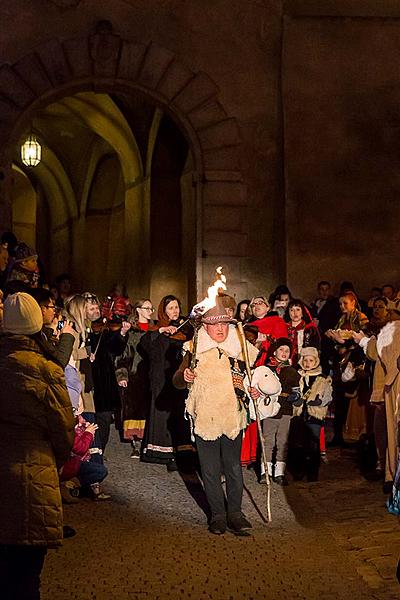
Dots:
pixel 22 314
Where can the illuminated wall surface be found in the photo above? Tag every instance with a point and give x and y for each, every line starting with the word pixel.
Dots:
pixel 177 136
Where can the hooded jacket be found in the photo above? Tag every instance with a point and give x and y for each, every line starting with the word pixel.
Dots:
pixel 36 437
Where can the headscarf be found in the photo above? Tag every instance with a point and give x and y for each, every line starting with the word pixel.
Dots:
pixel 164 320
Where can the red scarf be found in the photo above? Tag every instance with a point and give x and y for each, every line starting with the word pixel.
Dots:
pixel 276 365
pixel 293 337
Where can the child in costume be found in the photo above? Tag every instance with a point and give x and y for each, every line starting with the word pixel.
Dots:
pixel 309 415
pixel 276 428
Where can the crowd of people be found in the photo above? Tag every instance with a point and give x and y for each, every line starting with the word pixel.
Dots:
pixel 183 393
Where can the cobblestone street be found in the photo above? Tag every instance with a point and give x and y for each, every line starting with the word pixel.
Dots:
pixel 330 540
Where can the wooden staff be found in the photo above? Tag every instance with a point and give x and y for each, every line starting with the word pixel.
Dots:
pixel 196 326
pixel 260 434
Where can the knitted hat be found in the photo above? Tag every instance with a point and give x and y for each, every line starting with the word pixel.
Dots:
pixel 24 252
pixel 309 351
pixel 22 314
pixel 217 314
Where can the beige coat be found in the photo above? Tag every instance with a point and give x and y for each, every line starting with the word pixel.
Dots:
pixel 36 437
pixel 388 351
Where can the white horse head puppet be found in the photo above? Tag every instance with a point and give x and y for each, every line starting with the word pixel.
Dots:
pixel 268 384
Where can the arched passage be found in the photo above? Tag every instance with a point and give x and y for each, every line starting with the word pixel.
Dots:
pixel 104 62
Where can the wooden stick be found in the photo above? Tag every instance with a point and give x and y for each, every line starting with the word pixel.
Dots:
pixel 260 434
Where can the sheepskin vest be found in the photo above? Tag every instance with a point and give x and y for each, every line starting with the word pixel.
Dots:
pixel 212 401
pixel 321 387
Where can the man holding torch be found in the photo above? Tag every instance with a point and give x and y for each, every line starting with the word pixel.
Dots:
pixel 218 406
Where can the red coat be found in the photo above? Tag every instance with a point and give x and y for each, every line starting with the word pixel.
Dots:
pixel 80 453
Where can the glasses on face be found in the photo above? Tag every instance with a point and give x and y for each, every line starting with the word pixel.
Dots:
pixel 257 303
pixel 150 308
pixel 49 306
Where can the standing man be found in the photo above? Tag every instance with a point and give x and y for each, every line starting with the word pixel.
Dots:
pixel 218 407
pixel 326 313
pixel 36 437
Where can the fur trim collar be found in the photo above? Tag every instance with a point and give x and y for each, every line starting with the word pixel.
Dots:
pixel 232 346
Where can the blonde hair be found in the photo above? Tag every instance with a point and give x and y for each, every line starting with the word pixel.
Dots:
pixel 75 311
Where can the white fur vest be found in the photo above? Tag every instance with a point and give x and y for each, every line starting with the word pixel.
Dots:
pixel 212 401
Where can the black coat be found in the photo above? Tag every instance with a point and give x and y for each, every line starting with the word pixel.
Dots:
pixel 166 429
pixel 107 346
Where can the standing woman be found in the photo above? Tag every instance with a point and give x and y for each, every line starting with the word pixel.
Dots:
pixel 167 432
pixel 347 357
pixel 132 371
pixel 80 311
pixel 36 437
pixel 302 331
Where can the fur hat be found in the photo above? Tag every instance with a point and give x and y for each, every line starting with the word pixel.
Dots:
pixel 24 252
pixel 22 314
pixel 309 351
pixel 217 314
pixel 226 300
pixel 282 341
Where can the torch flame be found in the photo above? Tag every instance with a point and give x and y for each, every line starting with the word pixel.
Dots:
pixel 212 293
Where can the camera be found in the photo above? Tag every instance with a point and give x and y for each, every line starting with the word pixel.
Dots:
pixel 60 324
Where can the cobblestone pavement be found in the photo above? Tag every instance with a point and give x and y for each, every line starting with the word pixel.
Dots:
pixel 328 540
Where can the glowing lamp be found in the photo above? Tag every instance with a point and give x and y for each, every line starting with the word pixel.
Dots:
pixel 31 151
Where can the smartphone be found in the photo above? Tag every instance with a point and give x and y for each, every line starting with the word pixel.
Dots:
pixel 60 325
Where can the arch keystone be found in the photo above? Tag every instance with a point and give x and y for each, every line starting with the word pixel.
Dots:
pixel 104 47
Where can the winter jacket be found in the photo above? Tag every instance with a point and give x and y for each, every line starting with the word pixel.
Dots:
pixel 62 347
pixel 36 437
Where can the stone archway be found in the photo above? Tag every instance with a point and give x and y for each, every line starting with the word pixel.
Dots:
pixel 104 62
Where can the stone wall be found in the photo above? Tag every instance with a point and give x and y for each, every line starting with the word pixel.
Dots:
pixel 316 79
pixel 341 90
